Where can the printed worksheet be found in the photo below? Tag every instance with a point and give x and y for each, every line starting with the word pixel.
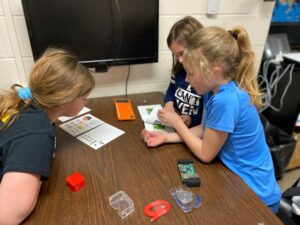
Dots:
pixel 91 130
pixel 100 136
pixel 66 118
pixel 149 116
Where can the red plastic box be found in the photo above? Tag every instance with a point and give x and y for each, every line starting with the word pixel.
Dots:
pixel 75 181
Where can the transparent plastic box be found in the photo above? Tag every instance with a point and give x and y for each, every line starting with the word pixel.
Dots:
pixel 185 198
pixel 122 203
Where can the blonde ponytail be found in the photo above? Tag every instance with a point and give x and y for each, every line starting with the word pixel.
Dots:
pixel 231 50
pixel 11 105
pixel 246 72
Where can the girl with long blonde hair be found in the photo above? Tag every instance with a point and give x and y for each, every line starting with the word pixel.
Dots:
pixel 220 66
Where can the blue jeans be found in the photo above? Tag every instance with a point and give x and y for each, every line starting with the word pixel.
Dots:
pixel 274 207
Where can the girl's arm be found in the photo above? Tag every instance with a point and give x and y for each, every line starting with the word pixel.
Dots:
pixel 170 92
pixel 204 144
pixel 18 196
pixel 207 148
pixel 186 119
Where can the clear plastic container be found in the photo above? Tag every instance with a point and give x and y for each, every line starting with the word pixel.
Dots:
pixel 185 198
pixel 122 203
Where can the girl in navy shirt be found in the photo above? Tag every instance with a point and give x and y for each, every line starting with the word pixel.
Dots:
pixel 180 96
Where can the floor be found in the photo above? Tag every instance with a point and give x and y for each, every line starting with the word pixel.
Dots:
pixel 289 178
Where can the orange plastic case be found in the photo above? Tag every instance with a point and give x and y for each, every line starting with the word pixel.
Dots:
pixel 124 109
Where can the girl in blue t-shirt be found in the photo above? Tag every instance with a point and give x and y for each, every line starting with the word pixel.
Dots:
pixel 180 96
pixel 220 66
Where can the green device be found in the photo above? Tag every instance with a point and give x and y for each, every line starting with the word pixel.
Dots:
pixel 188 174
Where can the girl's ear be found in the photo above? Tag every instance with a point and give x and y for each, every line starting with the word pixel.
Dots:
pixel 217 72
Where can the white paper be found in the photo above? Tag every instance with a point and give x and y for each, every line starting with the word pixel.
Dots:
pixel 81 124
pixel 66 118
pixel 149 113
pixel 149 116
pixel 158 127
pixel 91 130
pixel 100 136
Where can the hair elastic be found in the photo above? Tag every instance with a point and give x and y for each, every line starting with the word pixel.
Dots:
pixel 25 93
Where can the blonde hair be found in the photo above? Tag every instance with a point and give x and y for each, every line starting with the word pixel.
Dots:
pixel 180 33
pixel 56 78
pixel 231 50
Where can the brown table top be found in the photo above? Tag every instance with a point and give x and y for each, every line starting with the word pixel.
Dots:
pixel 144 174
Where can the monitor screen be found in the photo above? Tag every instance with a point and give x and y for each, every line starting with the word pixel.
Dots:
pixel 100 32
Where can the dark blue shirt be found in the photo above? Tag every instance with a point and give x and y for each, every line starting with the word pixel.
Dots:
pixel 184 98
pixel 28 144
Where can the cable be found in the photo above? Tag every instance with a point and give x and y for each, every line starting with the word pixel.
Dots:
pixel 285 90
pixel 266 97
pixel 278 78
pixel 126 83
pixel 270 89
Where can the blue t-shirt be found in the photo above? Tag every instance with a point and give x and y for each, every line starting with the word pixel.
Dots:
pixel 184 98
pixel 245 151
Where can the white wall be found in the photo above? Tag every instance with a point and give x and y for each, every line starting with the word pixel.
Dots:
pixel 16 56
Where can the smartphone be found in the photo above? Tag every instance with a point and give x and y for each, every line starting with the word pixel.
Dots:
pixel 188 174
pixel 124 109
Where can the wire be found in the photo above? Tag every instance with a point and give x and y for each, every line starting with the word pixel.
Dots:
pixel 285 90
pixel 126 83
pixel 269 86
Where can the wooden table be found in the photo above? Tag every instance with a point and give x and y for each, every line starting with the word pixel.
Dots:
pixel 144 174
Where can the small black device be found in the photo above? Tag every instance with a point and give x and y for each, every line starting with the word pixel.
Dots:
pixel 188 173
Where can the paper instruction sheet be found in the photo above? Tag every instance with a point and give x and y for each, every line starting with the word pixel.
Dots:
pixel 66 118
pixel 149 116
pixel 91 130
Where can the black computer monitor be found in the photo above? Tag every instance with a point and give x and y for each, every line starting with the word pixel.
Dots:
pixel 101 33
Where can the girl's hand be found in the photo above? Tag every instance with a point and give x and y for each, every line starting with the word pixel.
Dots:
pixel 169 106
pixel 153 138
pixel 186 119
pixel 168 118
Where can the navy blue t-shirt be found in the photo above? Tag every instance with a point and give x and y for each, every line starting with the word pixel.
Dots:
pixel 185 99
pixel 28 144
